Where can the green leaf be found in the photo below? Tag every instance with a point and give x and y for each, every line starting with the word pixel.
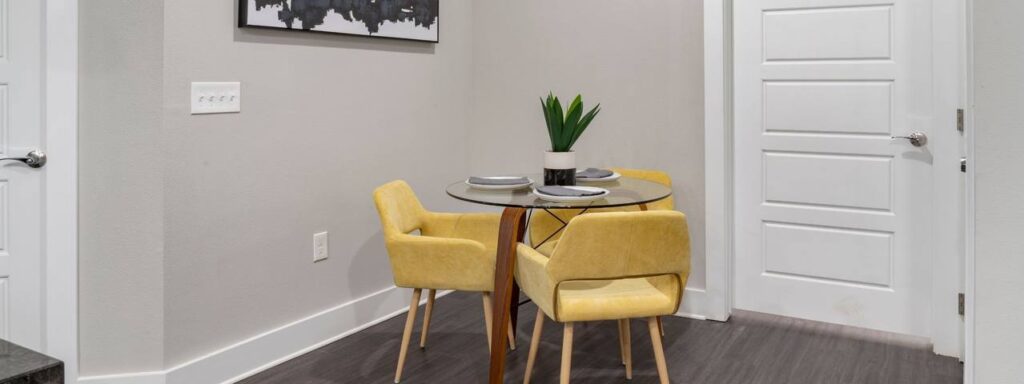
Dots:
pixel 547 119
pixel 572 118
pixel 584 123
pixel 559 120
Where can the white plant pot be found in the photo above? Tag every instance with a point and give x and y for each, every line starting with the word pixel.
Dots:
pixel 559 168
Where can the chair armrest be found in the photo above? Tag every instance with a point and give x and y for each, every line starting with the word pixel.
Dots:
pixel 480 227
pixel 443 263
pixel 532 275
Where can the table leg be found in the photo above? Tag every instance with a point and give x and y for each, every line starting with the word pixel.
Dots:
pixel 510 234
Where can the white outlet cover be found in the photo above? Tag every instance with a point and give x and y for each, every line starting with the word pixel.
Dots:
pixel 216 97
pixel 320 247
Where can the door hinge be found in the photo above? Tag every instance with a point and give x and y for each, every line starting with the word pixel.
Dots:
pixel 961 305
pixel 960 120
pixel 963 164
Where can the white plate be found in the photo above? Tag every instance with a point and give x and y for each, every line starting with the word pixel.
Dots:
pixel 500 187
pixel 614 176
pixel 574 199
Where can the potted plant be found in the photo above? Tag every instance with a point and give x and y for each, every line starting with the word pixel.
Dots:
pixel 564 129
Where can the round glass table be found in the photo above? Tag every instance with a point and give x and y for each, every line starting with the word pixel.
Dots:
pixel 623 192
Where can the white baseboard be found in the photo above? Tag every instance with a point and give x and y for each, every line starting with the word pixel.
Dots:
pixel 258 353
pixel 695 304
pixel 157 377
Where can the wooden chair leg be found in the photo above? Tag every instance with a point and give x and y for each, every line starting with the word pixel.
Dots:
pixel 627 349
pixel 622 342
pixel 487 317
pixel 661 327
pixel 538 327
pixel 407 334
pixel 659 351
pixel 566 353
pixel 511 335
pixel 426 317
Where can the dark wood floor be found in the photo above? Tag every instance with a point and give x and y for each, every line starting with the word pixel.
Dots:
pixel 750 348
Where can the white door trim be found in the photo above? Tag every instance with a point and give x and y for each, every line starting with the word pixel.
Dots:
pixel 61 180
pixel 969 321
pixel 718 137
pixel 718 157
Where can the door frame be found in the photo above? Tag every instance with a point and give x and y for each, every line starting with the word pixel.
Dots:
pixel 720 177
pixel 60 116
pixel 969 183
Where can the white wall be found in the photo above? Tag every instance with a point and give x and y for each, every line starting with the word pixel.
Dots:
pixel 642 60
pixel 999 208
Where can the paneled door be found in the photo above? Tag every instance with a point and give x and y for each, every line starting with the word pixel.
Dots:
pixel 832 212
pixel 21 185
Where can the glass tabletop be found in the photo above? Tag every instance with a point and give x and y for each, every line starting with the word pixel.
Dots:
pixel 622 192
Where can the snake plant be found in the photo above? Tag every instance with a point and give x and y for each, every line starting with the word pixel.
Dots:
pixel 565 128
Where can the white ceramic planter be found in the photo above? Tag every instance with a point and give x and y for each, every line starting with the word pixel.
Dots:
pixel 559 168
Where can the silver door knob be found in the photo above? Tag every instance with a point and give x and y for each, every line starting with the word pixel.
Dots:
pixel 34 159
pixel 917 139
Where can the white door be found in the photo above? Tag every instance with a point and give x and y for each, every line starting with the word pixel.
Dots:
pixel 832 214
pixel 21 207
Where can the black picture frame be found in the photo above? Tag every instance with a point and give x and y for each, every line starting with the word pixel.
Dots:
pixel 243 22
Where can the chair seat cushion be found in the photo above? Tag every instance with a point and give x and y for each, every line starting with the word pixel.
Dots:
pixel 592 300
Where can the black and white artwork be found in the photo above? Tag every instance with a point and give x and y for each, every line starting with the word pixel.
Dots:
pixel 399 19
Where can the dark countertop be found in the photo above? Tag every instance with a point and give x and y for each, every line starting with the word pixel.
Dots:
pixel 23 366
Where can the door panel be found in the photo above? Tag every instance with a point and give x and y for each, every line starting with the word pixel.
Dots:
pixel 21 187
pixel 857 182
pixel 830 33
pixel 826 201
pixel 845 107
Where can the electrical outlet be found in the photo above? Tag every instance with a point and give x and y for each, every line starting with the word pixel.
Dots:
pixel 222 97
pixel 320 247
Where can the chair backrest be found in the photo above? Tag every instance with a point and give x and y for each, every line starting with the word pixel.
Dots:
pixel 400 211
pixel 655 176
pixel 543 224
pixel 616 245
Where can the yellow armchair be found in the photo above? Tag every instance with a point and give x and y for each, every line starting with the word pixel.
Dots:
pixel 453 251
pixel 609 266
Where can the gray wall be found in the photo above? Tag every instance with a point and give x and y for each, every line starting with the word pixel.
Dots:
pixel 209 219
pixel 121 187
pixel 205 239
pixel 642 60
pixel 325 120
pixel 999 93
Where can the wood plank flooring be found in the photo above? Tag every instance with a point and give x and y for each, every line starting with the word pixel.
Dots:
pixel 751 348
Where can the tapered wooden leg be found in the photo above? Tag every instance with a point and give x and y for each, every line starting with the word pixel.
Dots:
pixel 407 334
pixel 622 342
pixel 661 327
pixel 511 335
pixel 566 353
pixel 538 327
pixel 426 317
pixel 659 351
pixel 510 234
pixel 627 349
pixel 488 321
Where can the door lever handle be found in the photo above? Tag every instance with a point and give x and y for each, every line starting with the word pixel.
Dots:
pixel 917 139
pixel 34 159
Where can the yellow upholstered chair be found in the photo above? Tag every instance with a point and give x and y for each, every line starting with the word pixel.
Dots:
pixel 543 225
pixel 609 266
pixel 453 251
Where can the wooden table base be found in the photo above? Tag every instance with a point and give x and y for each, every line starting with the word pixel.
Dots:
pixel 506 291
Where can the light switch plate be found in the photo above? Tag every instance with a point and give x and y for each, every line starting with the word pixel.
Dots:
pixel 320 251
pixel 216 97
